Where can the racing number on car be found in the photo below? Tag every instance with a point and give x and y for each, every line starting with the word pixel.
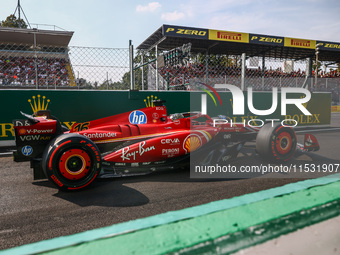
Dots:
pixel 81 126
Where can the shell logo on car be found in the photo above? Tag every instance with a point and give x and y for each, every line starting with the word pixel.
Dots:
pixel 192 143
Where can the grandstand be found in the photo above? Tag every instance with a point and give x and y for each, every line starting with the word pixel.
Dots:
pixel 34 58
pixel 216 57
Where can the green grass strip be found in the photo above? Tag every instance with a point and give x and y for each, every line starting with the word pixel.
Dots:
pixel 179 229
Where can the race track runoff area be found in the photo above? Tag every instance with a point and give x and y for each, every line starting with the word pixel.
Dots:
pixel 220 227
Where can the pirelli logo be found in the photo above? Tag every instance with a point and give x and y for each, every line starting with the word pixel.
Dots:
pixel 300 43
pixel 228 36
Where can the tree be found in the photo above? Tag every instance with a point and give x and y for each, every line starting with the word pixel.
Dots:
pixel 125 83
pixel 12 21
pixel 216 60
pixel 147 57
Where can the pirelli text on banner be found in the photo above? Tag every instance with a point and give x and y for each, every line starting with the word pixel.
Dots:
pixel 300 43
pixel 228 36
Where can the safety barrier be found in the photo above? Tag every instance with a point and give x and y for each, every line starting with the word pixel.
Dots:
pixel 79 106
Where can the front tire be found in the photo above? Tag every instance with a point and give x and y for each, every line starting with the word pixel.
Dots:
pixel 71 162
pixel 276 142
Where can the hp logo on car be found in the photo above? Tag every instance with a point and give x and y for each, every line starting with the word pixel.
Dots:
pixel 27 150
pixel 137 117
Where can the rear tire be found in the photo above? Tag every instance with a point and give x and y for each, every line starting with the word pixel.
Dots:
pixel 276 142
pixel 71 162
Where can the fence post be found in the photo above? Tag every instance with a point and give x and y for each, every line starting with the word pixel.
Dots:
pixel 35 58
pixel 107 80
pixel 264 70
pixel 157 81
pixel 310 71
pixel 78 80
pixel 243 70
pixel 206 67
pixel 142 70
pixel 132 81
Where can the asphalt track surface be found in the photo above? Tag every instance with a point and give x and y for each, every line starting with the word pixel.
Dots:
pixel 32 211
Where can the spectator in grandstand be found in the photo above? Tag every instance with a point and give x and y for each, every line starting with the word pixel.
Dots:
pixel 259 79
pixel 23 71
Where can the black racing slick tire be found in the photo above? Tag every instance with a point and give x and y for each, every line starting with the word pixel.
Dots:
pixel 276 143
pixel 71 162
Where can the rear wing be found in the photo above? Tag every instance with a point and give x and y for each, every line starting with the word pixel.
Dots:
pixel 32 135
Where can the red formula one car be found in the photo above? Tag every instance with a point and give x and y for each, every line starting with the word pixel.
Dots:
pixel 139 142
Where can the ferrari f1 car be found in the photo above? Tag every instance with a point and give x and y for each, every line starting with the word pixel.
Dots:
pixel 139 142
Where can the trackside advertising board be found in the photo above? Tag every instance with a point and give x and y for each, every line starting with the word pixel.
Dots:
pixel 71 107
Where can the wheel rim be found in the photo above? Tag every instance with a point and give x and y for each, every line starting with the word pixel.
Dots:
pixel 74 164
pixel 283 143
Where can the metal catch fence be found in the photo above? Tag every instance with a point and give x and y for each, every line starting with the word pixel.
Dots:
pixel 259 75
pixel 77 67
pixel 262 74
pixel 34 66
pixel 100 68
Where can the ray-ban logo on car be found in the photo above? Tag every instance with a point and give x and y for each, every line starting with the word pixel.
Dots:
pixel 137 117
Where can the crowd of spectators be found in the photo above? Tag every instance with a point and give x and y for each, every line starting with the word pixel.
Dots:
pixel 182 78
pixel 331 74
pixel 256 77
pixel 25 71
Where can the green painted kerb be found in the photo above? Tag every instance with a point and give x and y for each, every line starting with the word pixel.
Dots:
pixel 171 237
pixel 174 231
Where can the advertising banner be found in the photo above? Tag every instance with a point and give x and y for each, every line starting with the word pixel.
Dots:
pixel 266 40
pixel 240 37
pixel 228 36
pixel 331 46
pixel 187 32
pixel 335 108
pixel 299 43
pixel 71 107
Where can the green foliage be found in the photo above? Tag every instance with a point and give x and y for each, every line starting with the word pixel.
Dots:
pixel 12 21
pixel 217 60
pixel 124 84
pixel 110 85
